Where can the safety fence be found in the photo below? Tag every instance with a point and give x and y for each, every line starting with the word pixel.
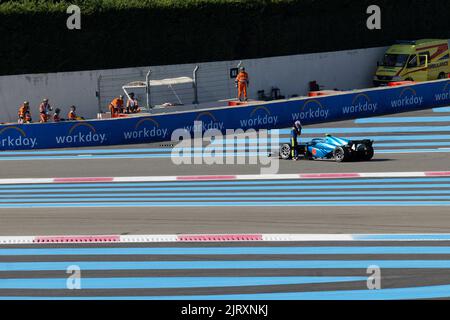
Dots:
pixel 212 79
pixel 268 115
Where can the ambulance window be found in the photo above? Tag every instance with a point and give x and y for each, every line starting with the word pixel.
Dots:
pixel 422 60
pixel 427 53
pixel 412 62
pixel 394 60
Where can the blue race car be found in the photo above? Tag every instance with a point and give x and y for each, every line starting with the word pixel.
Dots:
pixel 331 147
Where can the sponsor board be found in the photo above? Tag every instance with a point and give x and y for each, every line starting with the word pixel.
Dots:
pixel 15 137
pixel 205 121
pixel 260 116
pixel 81 133
pixel 408 98
pixel 312 110
pixel 444 95
pixel 361 103
pixel 145 129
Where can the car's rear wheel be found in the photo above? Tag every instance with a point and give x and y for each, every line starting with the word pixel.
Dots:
pixel 366 152
pixel 285 151
pixel 340 154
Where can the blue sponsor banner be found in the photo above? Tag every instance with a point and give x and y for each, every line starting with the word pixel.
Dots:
pixel 269 115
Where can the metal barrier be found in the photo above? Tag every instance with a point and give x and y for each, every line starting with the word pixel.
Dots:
pixel 261 115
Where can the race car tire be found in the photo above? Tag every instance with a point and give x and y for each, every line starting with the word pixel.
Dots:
pixel 285 151
pixel 365 152
pixel 341 155
pixel 442 75
pixel 368 154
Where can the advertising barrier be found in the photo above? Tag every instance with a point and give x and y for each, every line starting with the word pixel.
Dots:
pixel 267 115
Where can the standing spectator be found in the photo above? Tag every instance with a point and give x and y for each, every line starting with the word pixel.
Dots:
pixel 242 84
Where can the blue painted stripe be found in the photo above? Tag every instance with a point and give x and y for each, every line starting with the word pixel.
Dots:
pixel 195 265
pixel 398 151
pixel 263 198
pixel 403 137
pixel 125 156
pixel 74 186
pixel 229 204
pixel 168 155
pixel 443 109
pixel 372 129
pixel 249 250
pixel 169 282
pixel 402 119
pixel 425 292
pixel 284 139
pixel 414 144
pixel 149 150
pixel 194 195
pixel 402 237
pixel 245 188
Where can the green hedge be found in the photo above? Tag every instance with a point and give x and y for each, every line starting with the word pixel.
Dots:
pixel 124 33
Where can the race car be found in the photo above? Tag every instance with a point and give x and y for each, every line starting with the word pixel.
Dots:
pixel 331 147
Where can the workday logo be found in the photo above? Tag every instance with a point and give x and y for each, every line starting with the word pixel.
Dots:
pixel 445 94
pixel 205 121
pixel 408 97
pixel 81 133
pixel 146 128
pixel 361 103
pixel 311 109
pixel 260 116
pixel 13 136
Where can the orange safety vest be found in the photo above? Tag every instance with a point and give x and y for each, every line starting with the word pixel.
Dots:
pixel 72 115
pixel 22 111
pixel 117 103
pixel 242 77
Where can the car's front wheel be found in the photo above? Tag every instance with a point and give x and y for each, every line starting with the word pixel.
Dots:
pixel 285 151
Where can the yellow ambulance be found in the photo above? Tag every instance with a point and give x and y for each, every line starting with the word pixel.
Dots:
pixel 421 60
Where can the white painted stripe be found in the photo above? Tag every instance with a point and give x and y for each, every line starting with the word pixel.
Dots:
pixel 307 237
pixel 145 179
pixel 17 240
pixel 392 174
pixel 149 238
pixel 231 177
pixel 26 181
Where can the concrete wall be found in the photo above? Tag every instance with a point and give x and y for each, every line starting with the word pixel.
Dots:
pixel 343 70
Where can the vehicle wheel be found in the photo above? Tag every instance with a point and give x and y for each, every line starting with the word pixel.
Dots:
pixel 285 151
pixel 409 79
pixel 442 75
pixel 340 154
pixel 366 152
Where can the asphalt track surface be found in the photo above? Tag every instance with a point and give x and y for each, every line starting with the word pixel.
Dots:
pixel 418 141
pixel 407 154
pixel 263 270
